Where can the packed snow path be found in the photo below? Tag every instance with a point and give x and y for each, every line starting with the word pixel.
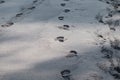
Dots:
pixel 43 39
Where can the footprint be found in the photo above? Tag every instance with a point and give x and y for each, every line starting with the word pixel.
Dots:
pixel 19 14
pixel 35 1
pixel 66 74
pixel 67 10
pixel 25 10
pixel 2 2
pixel 31 8
pixel 61 18
pixel 117 68
pixel 64 27
pixel 66 0
pixel 63 4
pixel 72 53
pixel 60 39
pixel 110 15
pixel 7 24
pixel 113 29
pixel 115 72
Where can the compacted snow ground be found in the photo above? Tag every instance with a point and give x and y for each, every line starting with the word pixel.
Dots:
pixel 51 40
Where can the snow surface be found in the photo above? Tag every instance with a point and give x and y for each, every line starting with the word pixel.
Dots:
pixel 29 49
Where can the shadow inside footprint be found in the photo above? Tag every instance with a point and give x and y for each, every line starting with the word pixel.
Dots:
pixel 2 2
pixel 73 51
pixel 61 18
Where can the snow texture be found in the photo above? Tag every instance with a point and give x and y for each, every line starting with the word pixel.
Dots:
pixel 59 40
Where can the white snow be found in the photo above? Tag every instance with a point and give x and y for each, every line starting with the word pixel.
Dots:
pixel 29 51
